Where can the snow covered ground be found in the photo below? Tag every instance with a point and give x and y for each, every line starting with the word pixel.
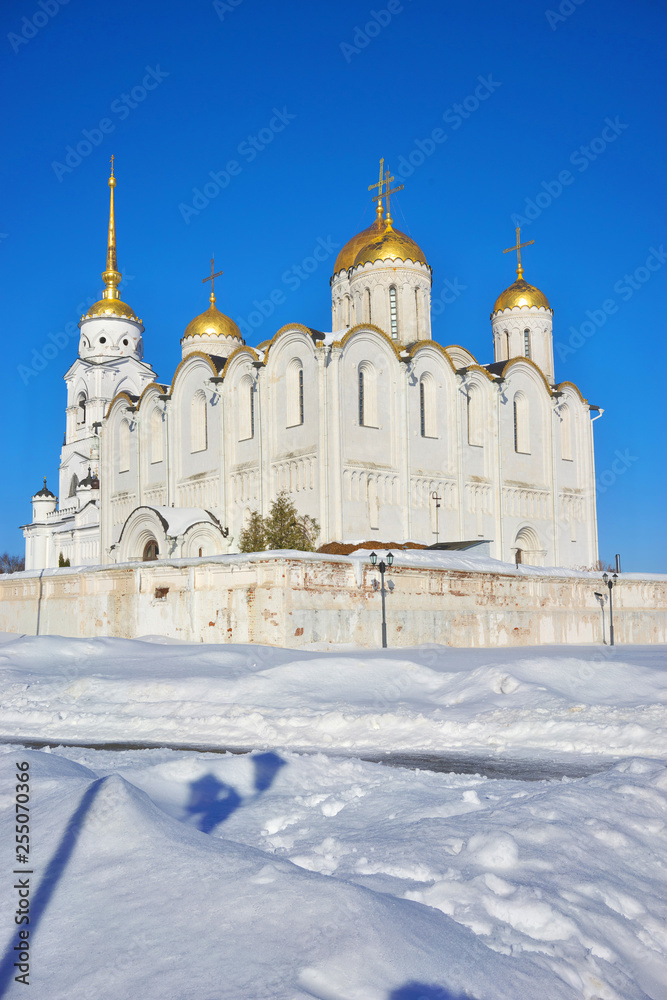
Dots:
pixel 564 698
pixel 282 874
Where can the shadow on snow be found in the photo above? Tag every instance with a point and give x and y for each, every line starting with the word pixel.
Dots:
pixel 213 801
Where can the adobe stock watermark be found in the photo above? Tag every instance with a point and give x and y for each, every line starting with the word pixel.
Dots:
pixel 30 26
pixel 292 279
pixel 565 9
pixel 57 342
pixel 224 7
pixel 454 116
pixel 625 288
pixel 623 460
pixel 581 158
pixel 449 294
pixel 363 35
pixel 248 149
pixel 121 108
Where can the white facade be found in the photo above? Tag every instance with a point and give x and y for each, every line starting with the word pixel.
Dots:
pixel 360 427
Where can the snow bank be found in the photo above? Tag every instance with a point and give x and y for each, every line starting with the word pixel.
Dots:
pixel 566 699
pixel 293 876
pixel 138 904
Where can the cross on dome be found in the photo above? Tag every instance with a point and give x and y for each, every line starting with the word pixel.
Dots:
pixel 519 245
pixel 386 180
pixel 211 277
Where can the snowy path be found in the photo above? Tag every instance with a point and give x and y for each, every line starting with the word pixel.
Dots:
pixel 183 875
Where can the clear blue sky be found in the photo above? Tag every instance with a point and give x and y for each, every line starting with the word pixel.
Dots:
pixel 346 95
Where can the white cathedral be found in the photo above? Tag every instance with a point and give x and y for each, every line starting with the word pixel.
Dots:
pixel 374 429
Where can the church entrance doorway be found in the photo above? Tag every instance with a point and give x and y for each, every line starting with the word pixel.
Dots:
pixel 151 551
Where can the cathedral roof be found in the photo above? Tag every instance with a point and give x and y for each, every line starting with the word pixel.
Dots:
pixel 45 492
pixel 521 294
pixel 347 255
pixel 391 245
pixel 212 323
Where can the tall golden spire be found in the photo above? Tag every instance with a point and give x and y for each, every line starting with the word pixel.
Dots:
pixel 111 276
pixel 519 245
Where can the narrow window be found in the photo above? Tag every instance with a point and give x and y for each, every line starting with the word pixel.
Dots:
pixel 475 435
pixel 427 415
pixel 368 303
pixel 417 313
pixel 368 407
pixel 422 408
pixel 393 313
pixel 246 409
pixel 521 425
pixel 507 344
pixel 300 395
pixel 526 343
pixel 566 433
pixel 156 435
pixel 81 409
pixel 124 447
pixel 294 394
pixel 198 429
pixel 74 482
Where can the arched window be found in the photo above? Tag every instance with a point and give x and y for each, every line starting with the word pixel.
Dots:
pixel 427 414
pixel 151 551
pixel 507 344
pixel 526 343
pixel 294 393
pixel 124 446
pixel 347 310
pixel 475 412
pixel 417 313
pixel 566 433
pixel 73 483
pixel 81 409
pixel 246 409
pixel 368 305
pixel 521 424
pixel 527 547
pixel 368 407
pixel 393 312
pixel 157 450
pixel 198 430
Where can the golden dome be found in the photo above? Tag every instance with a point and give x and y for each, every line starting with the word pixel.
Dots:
pixel 521 294
pixel 212 323
pixel 347 255
pixel 392 245
pixel 111 307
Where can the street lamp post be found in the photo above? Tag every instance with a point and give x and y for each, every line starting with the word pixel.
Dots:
pixel 610 582
pixel 382 566
pixel 602 599
pixel 436 499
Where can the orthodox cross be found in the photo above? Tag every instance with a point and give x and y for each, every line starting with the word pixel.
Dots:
pixel 386 180
pixel 112 164
pixel 211 278
pixel 519 245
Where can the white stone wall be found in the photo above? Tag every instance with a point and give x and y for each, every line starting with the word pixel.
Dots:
pixel 294 600
pixel 362 480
